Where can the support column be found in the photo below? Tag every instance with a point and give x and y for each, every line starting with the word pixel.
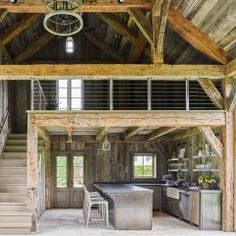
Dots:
pixel 227 174
pixel 32 167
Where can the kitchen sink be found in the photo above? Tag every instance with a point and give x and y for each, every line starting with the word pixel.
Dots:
pixel 173 193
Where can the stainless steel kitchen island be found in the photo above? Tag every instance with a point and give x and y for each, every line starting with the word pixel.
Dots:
pixel 130 207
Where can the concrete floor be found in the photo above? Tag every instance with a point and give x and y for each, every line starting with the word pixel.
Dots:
pixel 70 222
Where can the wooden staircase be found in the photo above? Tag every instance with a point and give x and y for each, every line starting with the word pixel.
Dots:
pixel 15 217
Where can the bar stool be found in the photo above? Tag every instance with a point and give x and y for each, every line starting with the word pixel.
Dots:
pixel 95 199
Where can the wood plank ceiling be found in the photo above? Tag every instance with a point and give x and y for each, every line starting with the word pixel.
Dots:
pixel 113 37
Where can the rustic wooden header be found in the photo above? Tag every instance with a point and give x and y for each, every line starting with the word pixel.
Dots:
pixel 109 119
pixel 37 6
pixel 97 71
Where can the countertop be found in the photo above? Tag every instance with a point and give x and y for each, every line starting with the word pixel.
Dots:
pixel 113 188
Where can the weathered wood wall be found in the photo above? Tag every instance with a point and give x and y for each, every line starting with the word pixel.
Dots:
pixel 113 166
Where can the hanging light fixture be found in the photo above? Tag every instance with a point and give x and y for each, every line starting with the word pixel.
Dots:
pixel 63 17
pixel 70 45
pixel 106 146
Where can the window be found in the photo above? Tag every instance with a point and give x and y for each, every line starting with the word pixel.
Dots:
pixel 70 94
pixel 61 169
pixel 78 167
pixel 144 166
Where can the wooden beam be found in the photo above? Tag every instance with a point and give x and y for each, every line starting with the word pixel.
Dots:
pixel 101 71
pixel 212 140
pixel 159 27
pixel 185 134
pixel 142 22
pixel 132 132
pixel 227 176
pixel 212 92
pixel 231 69
pixel 34 47
pixel 3 15
pixel 195 37
pixel 160 132
pixel 125 119
pixel 107 49
pixel 232 98
pixel 43 134
pixel 101 134
pixel 156 10
pixel 37 6
pixel 17 28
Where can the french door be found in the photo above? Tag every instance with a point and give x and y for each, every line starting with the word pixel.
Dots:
pixel 68 180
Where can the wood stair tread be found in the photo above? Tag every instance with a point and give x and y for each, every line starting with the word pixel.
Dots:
pixel 15 213
pixel 13 203
pixel 15 225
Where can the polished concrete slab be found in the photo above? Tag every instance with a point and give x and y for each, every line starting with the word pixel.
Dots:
pixel 70 222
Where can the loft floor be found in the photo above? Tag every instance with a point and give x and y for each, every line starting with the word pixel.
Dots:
pixel 57 222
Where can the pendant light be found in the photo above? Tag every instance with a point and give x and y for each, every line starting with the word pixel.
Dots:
pixel 106 146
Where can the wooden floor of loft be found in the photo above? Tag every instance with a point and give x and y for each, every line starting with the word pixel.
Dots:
pixel 70 222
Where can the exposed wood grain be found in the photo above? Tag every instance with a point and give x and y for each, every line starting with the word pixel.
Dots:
pixel 3 15
pixel 195 37
pixel 107 49
pixel 212 92
pixel 227 179
pixel 101 134
pixel 132 132
pixel 142 22
pixel 17 28
pixel 232 98
pixel 231 68
pixel 185 134
pixel 34 47
pixel 37 6
pixel 159 27
pixel 215 143
pixel 160 132
pixel 118 119
pixel 96 71
pixel 156 10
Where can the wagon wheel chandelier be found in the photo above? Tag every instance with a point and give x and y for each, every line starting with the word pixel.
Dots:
pixel 63 17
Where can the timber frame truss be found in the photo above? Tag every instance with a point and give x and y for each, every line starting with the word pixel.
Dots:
pixel 152 30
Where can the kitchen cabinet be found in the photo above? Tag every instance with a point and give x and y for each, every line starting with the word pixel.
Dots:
pixel 156 194
pixel 205 209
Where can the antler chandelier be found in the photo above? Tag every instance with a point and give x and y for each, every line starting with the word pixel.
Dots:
pixel 63 17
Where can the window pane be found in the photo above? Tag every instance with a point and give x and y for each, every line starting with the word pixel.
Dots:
pixel 78 171
pixel 144 166
pixel 76 103
pixel 62 92
pixel 61 171
pixel 76 83
pixel 63 83
pixel 62 103
pixel 76 93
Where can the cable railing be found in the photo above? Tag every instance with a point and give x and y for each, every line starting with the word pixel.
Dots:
pixel 39 101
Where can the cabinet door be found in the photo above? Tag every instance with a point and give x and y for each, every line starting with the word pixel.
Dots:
pixel 164 200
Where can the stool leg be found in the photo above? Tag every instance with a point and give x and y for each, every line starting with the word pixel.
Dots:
pixel 88 216
pixel 107 221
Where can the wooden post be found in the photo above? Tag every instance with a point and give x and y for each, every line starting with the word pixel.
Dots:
pixel 227 174
pixel 32 166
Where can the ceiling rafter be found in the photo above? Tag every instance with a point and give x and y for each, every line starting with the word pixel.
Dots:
pixel 34 47
pixel 122 29
pixel 232 98
pixel 107 49
pixel 17 28
pixel 195 37
pixel 101 134
pixel 3 15
pixel 142 22
pixel 160 132
pixel 132 132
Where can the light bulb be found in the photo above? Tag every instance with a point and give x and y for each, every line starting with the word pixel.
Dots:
pixel 70 46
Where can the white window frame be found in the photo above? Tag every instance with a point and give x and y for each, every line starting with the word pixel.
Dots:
pixel 69 95
pixel 154 165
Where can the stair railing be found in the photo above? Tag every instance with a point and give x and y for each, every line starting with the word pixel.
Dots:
pixel 39 100
pixel 4 129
